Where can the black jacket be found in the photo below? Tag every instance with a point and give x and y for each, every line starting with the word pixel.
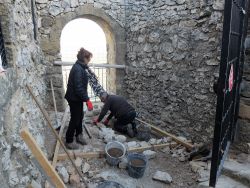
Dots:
pixel 77 83
pixel 117 105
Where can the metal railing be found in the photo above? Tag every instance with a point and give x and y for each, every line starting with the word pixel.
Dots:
pixel 3 59
pixel 100 72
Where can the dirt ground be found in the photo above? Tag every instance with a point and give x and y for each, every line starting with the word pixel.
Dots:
pixel 180 172
pixel 100 170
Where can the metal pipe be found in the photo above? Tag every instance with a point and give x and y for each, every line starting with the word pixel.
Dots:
pixel 63 63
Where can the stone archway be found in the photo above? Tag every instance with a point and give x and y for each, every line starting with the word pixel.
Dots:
pixel 116 47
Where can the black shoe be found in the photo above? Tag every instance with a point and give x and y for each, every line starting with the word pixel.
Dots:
pixel 130 131
pixel 80 139
pixel 71 145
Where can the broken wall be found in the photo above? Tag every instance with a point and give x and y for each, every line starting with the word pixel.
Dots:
pixel 17 109
pixel 173 54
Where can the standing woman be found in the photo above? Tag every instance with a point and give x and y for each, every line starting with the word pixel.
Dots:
pixel 76 94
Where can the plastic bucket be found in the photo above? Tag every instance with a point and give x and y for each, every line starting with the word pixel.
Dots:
pixel 110 184
pixel 114 151
pixel 137 164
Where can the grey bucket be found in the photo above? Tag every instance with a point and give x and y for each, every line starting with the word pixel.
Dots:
pixel 136 171
pixel 113 161
pixel 109 184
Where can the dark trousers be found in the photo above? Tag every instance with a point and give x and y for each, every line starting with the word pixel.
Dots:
pixel 75 124
pixel 122 122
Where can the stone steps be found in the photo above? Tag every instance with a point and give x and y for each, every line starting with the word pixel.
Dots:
pixel 224 182
pixel 237 171
pixel 234 174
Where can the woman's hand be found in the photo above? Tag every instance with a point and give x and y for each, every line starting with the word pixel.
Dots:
pixel 89 105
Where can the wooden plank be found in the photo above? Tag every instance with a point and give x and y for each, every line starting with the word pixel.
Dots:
pixel 54 101
pixel 45 114
pixel 95 154
pixel 153 147
pixel 164 133
pixel 65 116
pixel 101 153
pixel 41 158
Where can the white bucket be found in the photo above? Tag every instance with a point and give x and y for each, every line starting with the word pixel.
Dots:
pixel 114 160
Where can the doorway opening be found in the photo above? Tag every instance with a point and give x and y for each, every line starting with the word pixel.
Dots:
pixel 88 34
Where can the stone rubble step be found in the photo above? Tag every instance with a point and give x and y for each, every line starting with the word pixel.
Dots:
pixel 224 182
pixel 239 172
pixel 163 177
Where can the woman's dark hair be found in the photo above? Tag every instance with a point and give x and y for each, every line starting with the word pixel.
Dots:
pixel 84 54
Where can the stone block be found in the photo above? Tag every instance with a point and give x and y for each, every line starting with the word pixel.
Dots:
pixel 162 176
pixel 223 182
pixel 78 162
pixel 197 166
pixel 123 164
pixel 132 144
pixel 47 21
pixel 85 167
pixel 244 111
pixel 218 5
pixel 35 184
pixel 121 138
pixel 74 180
pixel 152 141
pixel 41 1
pixel 63 173
pixel 144 144
pixel 149 154
pixel 237 171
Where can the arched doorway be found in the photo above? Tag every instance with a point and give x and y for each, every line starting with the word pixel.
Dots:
pixel 116 49
pixel 88 34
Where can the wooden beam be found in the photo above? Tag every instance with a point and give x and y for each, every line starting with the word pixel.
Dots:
pixel 164 133
pixel 41 158
pixel 54 101
pixel 153 147
pixel 65 116
pixel 101 153
pixel 89 155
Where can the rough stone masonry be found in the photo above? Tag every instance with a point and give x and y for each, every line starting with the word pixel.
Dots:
pixel 173 53
pixel 17 109
pixel 172 56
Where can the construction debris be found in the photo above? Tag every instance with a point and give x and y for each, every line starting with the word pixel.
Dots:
pixel 163 177
pixel 93 168
pixel 34 184
pixel 74 180
pixel 78 162
pixel 150 154
pixel 85 168
pixel 63 173
pixel 123 164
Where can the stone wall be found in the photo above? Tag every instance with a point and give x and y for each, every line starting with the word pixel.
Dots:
pixel 173 53
pixel 17 109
